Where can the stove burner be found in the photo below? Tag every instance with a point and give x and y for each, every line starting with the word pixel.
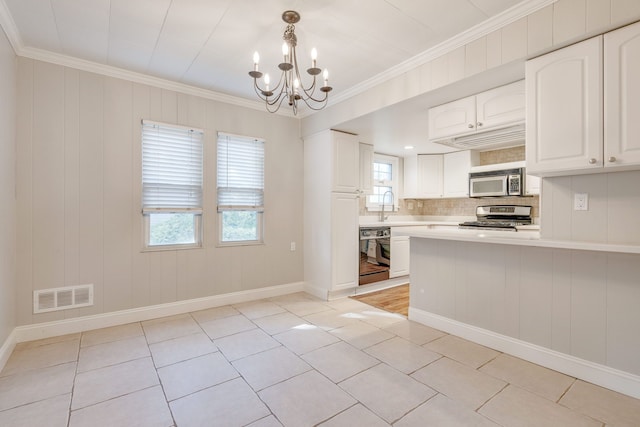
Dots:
pixel 503 218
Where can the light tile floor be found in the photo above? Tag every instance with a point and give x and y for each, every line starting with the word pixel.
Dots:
pixel 292 361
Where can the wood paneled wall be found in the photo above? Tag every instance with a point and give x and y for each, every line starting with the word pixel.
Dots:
pixel 79 185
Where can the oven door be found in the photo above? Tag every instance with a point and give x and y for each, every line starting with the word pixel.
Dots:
pixel 487 185
pixel 375 257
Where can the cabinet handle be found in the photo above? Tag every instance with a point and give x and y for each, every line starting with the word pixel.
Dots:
pixel 479 123
pixel 470 126
pixel 592 161
pixel 612 159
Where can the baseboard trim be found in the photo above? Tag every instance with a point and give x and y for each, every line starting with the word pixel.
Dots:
pixel 7 348
pixel 115 318
pixel 613 379
pixel 321 293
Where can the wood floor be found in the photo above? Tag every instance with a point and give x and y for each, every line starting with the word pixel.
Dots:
pixel 395 300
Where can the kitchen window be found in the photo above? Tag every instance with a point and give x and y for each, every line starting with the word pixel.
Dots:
pixel 385 178
pixel 240 189
pixel 171 186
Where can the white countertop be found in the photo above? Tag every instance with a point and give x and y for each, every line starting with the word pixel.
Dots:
pixel 523 237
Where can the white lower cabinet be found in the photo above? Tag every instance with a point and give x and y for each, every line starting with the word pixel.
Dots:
pixel 400 253
pixel 345 244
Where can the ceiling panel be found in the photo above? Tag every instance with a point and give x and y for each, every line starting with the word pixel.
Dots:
pixel 83 28
pixel 444 17
pixel 35 23
pixel 134 28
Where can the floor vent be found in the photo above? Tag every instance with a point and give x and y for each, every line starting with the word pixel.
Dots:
pixel 62 298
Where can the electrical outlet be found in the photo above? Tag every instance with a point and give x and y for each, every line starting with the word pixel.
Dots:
pixel 410 206
pixel 420 204
pixel 293 246
pixel 580 202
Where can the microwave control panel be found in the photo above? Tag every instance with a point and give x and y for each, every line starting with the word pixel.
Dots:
pixel 514 185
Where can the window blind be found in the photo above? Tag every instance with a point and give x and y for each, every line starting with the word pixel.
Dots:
pixel 171 168
pixel 240 173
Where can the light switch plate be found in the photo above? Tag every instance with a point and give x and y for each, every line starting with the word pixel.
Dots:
pixel 580 202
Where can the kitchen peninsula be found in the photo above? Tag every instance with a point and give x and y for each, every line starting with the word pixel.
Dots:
pixel 568 305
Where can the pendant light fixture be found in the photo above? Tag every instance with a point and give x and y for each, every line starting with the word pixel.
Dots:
pixel 290 87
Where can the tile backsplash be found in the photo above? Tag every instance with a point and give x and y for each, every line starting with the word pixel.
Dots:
pixel 466 206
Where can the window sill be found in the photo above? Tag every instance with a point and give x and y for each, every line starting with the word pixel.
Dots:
pixel 165 248
pixel 240 243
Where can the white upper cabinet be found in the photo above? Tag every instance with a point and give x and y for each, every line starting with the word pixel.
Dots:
pixel 430 176
pixel 564 109
pixel 454 118
pixel 366 168
pixel 456 172
pixel 622 97
pixel 570 92
pixel 346 162
pixel 501 106
pixel 492 109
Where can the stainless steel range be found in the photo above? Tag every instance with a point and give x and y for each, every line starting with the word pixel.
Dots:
pixel 500 217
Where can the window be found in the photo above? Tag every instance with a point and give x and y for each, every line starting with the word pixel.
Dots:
pixel 240 189
pixel 385 179
pixel 171 186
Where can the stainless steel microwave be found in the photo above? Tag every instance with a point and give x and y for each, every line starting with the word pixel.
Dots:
pixel 497 183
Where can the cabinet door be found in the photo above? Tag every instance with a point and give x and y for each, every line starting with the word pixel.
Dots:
pixel 501 106
pixel 564 110
pixel 456 173
pixel 430 176
pixel 622 97
pixel 366 168
pixel 400 254
pixel 532 185
pixel 346 162
pixel 345 241
pixel 453 118
pixel 410 175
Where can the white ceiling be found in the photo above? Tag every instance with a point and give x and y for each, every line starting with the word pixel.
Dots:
pixel 209 44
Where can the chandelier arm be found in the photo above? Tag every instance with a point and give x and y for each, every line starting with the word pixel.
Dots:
pixel 277 101
pixel 322 102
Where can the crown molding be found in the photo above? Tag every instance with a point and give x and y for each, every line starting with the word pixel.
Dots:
pixel 520 10
pixel 9 26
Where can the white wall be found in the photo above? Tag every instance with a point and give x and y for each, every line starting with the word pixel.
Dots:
pixel 78 183
pixel 7 188
pixel 614 208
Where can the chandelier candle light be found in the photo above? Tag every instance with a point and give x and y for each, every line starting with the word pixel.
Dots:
pixel 290 87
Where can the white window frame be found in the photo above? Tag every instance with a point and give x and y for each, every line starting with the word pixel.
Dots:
pixel 257 207
pixel 194 208
pixel 394 183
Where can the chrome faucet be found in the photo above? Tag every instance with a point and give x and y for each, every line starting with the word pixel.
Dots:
pixel 393 206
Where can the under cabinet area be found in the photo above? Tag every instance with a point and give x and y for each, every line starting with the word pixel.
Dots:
pixel 583 104
pixel 494 108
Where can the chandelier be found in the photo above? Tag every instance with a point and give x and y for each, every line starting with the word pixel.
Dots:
pixel 290 86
